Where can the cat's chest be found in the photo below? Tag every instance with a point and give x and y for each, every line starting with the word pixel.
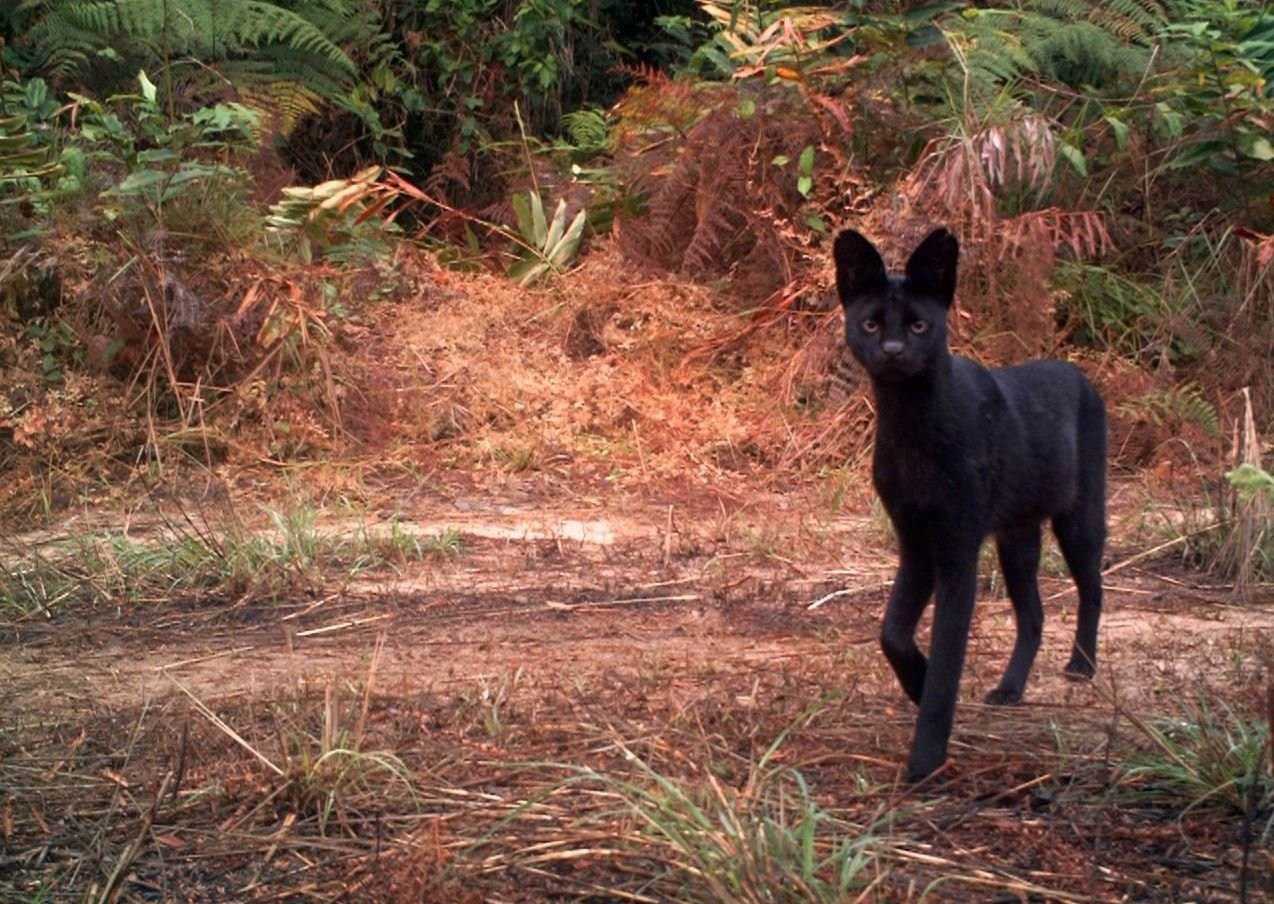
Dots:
pixel 931 468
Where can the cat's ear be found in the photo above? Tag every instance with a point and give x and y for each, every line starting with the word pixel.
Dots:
pixel 931 269
pixel 859 267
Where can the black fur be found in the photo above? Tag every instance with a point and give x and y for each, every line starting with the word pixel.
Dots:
pixel 963 452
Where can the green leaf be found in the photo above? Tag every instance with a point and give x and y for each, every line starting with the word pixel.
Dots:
pixel 148 87
pixel 1255 146
pixel 522 210
pixel 805 165
pixel 747 108
pixel 158 155
pixel 1075 157
pixel 137 182
pixel 556 228
pixel 1119 130
pixel 528 270
pixel 1199 154
pixel 184 177
pixel 539 227
pixel 1173 121
pixel 806 161
pixel 566 249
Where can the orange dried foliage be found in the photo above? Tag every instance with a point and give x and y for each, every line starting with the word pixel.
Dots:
pixel 1006 260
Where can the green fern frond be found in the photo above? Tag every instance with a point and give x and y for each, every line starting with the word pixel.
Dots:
pixel 179 24
pixel 56 48
pixel 282 104
pixel 1174 406
pixel 260 24
pixel 588 130
pixel 279 64
pixel 341 22
pixel 234 25
pixel 65 41
pixel 1077 42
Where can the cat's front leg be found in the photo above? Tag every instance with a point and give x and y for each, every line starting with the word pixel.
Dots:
pixel 952 617
pixel 912 588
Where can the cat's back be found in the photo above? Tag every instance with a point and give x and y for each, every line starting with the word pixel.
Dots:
pixel 1048 389
pixel 1057 422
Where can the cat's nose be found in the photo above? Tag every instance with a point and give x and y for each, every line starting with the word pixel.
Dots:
pixel 892 347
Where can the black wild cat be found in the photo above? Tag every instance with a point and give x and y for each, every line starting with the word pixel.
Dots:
pixel 963 452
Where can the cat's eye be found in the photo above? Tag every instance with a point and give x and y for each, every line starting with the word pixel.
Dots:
pixel 870 326
pixel 918 326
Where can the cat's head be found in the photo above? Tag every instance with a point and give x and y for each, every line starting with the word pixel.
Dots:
pixel 896 325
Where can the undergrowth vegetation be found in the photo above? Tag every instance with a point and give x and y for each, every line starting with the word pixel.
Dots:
pixel 1212 755
pixel 767 841
pixel 202 559
pixel 169 297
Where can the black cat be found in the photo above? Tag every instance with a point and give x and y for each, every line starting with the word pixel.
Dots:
pixel 963 452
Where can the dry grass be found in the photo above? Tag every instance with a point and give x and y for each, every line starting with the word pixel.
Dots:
pixel 596 789
pixel 597 376
pixel 547 719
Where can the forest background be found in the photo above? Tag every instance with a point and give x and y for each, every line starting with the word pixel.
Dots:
pixel 288 258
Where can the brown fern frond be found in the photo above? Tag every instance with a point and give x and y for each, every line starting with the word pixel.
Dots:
pixel 834 108
pixel 452 171
pixel 962 173
pixel 642 73
pixel 282 104
pixel 657 237
pixel 1082 232
pixel 716 200
pixel 720 217
pixel 658 109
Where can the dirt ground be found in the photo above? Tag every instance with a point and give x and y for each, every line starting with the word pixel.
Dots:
pixel 175 752
pixel 649 671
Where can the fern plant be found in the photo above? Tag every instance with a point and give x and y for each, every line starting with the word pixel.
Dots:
pixel 1174 406
pixel 1077 43
pixel 196 45
pixel 588 131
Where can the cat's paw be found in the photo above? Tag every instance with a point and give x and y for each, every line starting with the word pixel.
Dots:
pixel 1079 669
pixel 925 777
pixel 1003 696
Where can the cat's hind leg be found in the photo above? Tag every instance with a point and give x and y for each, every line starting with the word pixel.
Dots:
pixel 1019 551
pixel 1081 536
